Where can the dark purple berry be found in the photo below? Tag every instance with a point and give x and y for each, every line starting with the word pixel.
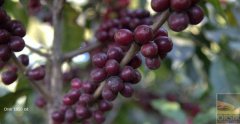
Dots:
pixel 85 99
pixel 67 100
pixel 164 45
pixel 17 28
pixel 4 36
pixel 70 115
pixel 98 75
pixel 115 53
pixel 124 37
pixel 102 36
pixel 178 21
pixel 98 117
pixel 136 77
pixel 108 94
pixel 24 59
pixel 74 95
pixel 76 83
pixel 143 34
pixel 127 74
pixel 195 14
pixel 8 77
pixel 153 63
pixel 105 105
pixel 82 112
pixel 115 84
pixel 136 61
pixel 112 67
pixel 160 5
pixel 88 87
pixel 127 91
pixel 161 32
pixel 58 116
pixel 40 102
pixel 99 59
pixel 180 5
pixel 149 50
pixel 37 73
pixel 5 53
pixel 16 44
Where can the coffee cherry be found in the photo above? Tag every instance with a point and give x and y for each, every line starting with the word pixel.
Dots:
pixel 70 115
pixel 58 116
pixel 5 53
pixel 105 105
pixel 67 100
pixel 143 34
pixel 40 102
pixel 99 59
pixel 149 50
pixel 88 87
pixel 124 37
pixel 8 77
pixel 102 36
pixel 180 5
pixel 178 21
pixel 3 16
pixel 108 94
pixel 4 36
pixel 115 53
pixel 76 83
pixel 98 117
pixel 82 112
pixel 195 14
pixel 85 99
pixel 161 32
pixel 136 77
pixel 127 74
pixel 98 75
pixel 16 44
pixel 17 28
pixel 112 67
pixel 164 45
pixel 74 95
pixel 153 63
pixel 141 13
pixel 127 91
pixel 136 61
pixel 160 5
pixel 115 84
pixel 24 59
pixel 37 73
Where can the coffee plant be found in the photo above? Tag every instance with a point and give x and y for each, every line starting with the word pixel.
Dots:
pixel 113 61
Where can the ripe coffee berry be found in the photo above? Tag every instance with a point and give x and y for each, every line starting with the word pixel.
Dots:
pixel 164 45
pixel 178 21
pixel 24 59
pixel 98 75
pixel 127 74
pixel 112 67
pixel 40 102
pixel 105 105
pixel 4 36
pixel 85 99
pixel 180 5
pixel 5 53
pixel 99 59
pixel 143 34
pixel 88 87
pixel 67 100
pixel 195 14
pixel 160 5
pixel 102 36
pixel 98 117
pixel 37 73
pixel 70 115
pixel 127 91
pixel 136 61
pixel 124 37
pixel 149 50
pixel 108 94
pixel 161 32
pixel 76 83
pixel 115 53
pixel 153 63
pixel 58 116
pixel 115 84
pixel 9 77
pixel 82 112
pixel 16 44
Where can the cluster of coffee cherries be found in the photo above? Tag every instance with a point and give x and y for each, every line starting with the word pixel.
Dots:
pixel 127 19
pixel 183 12
pixel 11 40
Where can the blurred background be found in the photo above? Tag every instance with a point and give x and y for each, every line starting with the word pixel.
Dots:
pixel 204 61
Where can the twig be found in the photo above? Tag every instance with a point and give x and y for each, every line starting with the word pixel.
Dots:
pixel 37 51
pixel 34 84
pixel 135 47
pixel 82 50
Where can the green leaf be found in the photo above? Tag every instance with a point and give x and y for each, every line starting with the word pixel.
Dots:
pixel 170 109
pixel 73 34
pixel 217 5
pixel 9 100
